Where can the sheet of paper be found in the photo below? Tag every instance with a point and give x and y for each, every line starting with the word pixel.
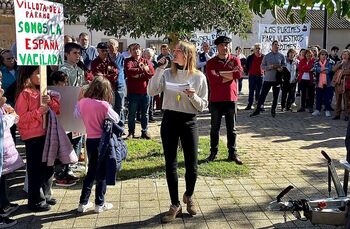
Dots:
pixel 69 98
pixel 178 87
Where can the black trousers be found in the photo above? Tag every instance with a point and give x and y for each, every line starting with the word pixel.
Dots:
pixel 265 90
pixel 288 94
pixel 39 174
pixel 217 110
pixel 183 126
pixel 307 93
pixel 4 200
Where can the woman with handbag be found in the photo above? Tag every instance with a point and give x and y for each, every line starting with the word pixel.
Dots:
pixel 341 82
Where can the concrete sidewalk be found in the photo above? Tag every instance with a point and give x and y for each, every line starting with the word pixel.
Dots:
pixel 279 151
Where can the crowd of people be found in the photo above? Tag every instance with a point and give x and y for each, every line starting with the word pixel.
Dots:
pixel 125 87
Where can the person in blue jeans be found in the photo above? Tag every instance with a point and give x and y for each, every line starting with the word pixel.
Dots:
pixel 138 71
pixel 255 75
pixel 120 90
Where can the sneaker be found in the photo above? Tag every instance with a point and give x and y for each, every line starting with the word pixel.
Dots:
pixel 171 215
pixel 316 113
pixel 65 182
pixel 328 114
pixel 104 207
pixel 240 93
pixel 6 222
pixel 8 210
pixel 145 135
pixel 84 207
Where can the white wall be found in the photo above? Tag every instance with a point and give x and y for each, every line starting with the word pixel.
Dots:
pixel 96 37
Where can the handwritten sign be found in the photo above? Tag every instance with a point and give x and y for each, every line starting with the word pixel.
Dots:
pixel 69 98
pixel 39 32
pixel 294 36
pixel 198 38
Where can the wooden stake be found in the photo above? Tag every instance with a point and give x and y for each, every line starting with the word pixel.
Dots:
pixel 43 88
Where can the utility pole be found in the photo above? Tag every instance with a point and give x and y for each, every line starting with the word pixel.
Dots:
pixel 325 27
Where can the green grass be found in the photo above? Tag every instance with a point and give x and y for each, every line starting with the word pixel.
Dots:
pixel 145 159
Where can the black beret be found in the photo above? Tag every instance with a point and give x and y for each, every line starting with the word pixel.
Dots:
pixel 222 39
pixel 102 45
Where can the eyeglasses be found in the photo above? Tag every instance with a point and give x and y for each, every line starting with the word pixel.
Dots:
pixel 10 58
pixel 104 50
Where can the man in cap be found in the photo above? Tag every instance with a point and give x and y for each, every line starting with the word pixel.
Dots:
pixel 223 72
pixel 103 65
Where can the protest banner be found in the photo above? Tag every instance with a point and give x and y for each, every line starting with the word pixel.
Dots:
pixel 294 36
pixel 198 38
pixel 39 32
pixel 39 35
pixel 69 97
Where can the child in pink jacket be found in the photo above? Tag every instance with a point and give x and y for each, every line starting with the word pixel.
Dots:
pixel 30 126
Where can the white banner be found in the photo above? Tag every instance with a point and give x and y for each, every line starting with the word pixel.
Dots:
pixel 294 36
pixel 69 98
pixel 39 32
pixel 199 37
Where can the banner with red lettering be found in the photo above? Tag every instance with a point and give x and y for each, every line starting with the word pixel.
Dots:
pixel 39 32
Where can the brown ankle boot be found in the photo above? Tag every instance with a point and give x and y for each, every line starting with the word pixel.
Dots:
pixel 172 213
pixel 191 208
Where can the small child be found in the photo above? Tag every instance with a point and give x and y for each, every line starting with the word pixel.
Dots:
pixel 5 222
pixel 93 107
pixel 63 174
pixel 12 160
pixel 33 134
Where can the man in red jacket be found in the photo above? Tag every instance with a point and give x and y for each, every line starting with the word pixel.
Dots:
pixel 223 72
pixel 137 71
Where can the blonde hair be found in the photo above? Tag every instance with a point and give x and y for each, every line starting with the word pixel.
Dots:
pixel 100 89
pixel 113 42
pixel 189 51
pixel 344 51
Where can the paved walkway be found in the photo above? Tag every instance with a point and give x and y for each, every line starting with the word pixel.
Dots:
pixel 279 151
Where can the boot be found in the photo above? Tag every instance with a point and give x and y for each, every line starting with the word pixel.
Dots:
pixel 234 157
pixel 191 208
pixel 171 215
pixel 130 136
pixel 145 135
pixel 211 157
